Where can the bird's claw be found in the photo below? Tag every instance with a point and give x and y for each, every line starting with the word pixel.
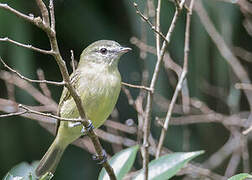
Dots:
pixel 90 126
pixel 100 159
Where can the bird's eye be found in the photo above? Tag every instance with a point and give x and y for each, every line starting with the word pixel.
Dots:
pixel 103 50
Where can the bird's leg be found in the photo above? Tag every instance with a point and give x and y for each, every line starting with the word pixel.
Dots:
pixel 90 126
pixel 100 159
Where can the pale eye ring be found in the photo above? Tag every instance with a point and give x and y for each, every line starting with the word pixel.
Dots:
pixel 103 50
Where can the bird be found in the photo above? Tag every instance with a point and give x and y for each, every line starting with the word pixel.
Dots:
pixel 97 81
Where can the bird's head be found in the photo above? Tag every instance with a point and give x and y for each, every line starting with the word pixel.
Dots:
pixel 103 52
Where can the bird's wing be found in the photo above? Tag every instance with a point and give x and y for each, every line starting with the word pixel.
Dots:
pixel 65 96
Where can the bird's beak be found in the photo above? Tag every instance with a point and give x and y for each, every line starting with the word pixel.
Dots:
pixel 124 49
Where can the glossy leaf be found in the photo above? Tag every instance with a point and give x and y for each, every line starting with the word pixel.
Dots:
pixel 167 166
pixel 22 171
pixel 241 176
pixel 121 162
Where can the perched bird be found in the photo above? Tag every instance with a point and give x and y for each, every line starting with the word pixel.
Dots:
pixel 98 83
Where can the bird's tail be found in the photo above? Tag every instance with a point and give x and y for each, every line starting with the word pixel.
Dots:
pixel 51 159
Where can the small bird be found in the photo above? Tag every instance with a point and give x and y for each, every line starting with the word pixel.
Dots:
pixel 98 83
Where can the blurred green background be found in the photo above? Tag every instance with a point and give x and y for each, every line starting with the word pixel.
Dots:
pixel 79 23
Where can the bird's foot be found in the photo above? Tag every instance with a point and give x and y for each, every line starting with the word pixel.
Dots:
pixel 85 130
pixel 100 159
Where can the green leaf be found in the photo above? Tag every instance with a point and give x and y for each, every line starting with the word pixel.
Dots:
pixel 240 176
pixel 167 166
pixel 121 162
pixel 22 171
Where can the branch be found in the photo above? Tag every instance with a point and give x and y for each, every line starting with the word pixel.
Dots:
pixel 28 46
pixel 28 110
pixel 44 12
pixel 17 13
pixel 13 114
pixel 148 22
pixel 179 85
pixel 51 7
pixel 137 86
pixel 85 143
pixel 36 21
pixel 146 127
pixel 31 80
pixel 224 49
pixel 36 94
pixel 43 86
pixel 168 62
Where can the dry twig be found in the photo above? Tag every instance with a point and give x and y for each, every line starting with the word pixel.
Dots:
pixel 179 85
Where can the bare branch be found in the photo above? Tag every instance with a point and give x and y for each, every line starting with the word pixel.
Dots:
pixel 30 80
pixel 243 54
pixel 43 86
pixel 13 114
pixel 36 94
pixel 36 21
pixel 148 22
pixel 28 110
pixel 51 7
pixel 146 127
pixel 223 48
pixel 28 46
pixel 180 82
pixel 157 27
pixel 72 60
pixel 44 12
pixel 137 86
pixel 17 13
pixel 168 62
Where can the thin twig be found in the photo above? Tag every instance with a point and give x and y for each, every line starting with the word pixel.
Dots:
pixel 245 154
pixel 30 80
pixel 223 48
pixel 44 12
pixel 148 22
pixel 28 46
pixel 12 78
pixel 220 155
pixel 72 60
pixel 37 21
pixel 13 114
pixel 157 27
pixel 180 82
pixel 137 86
pixel 28 110
pixel 43 86
pixel 168 62
pixel 146 127
pixel 51 8
pixel 17 13
pixel 243 54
